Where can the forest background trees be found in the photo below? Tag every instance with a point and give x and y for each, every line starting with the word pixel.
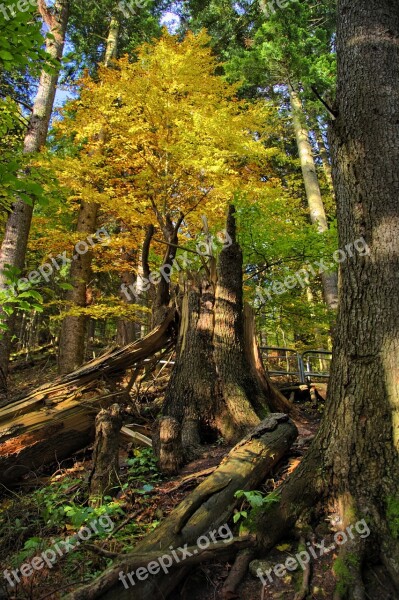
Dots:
pixel 286 219
pixel 285 122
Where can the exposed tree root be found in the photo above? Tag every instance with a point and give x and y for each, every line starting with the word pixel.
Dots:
pixel 207 508
pixel 237 573
pixel 303 592
pixel 348 571
pixel 303 490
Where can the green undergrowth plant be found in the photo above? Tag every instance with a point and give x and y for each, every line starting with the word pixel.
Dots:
pixel 143 473
pixel 30 523
pixel 252 502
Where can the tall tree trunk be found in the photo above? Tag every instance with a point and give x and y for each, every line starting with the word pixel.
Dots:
pixel 362 439
pixel 161 294
pixel 355 456
pixel 111 50
pixel 127 329
pixel 239 389
pixel 13 247
pixel 133 290
pixel 218 384
pixel 312 188
pixel 73 329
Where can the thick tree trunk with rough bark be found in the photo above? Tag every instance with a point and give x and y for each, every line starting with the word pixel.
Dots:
pixel 218 385
pixel 354 459
pixel 14 244
pixel 312 188
pixel 362 440
pixel 191 396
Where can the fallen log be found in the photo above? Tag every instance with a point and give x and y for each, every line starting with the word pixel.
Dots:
pixel 57 419
pixel 203 513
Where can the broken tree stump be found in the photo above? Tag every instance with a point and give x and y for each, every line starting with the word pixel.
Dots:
pixel 203 512
pixel 167 444
pixel 105 472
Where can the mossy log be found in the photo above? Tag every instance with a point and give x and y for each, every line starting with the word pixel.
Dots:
pixel 57 418
pixel 205 510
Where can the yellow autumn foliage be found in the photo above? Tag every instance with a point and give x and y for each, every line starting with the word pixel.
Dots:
pixel 162 136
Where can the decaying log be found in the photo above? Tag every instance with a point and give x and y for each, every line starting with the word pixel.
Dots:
pixel 57 419
pixel 207 509
pixel 187 479
pixel 105 472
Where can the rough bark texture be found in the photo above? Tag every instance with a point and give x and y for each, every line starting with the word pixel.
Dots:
pixel 73 329
pixel 191 394
pixel 354 458
pixel 58 418
pixel 239 389
pixel 161 294
pixel 128 330
pixel 167 444
pixel 207 508
pixel 361 441
pixel 312 188
pixel 14 244
pixel 105 472
pixel 218 385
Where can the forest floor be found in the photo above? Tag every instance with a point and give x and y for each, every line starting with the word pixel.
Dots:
pixel 41 511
